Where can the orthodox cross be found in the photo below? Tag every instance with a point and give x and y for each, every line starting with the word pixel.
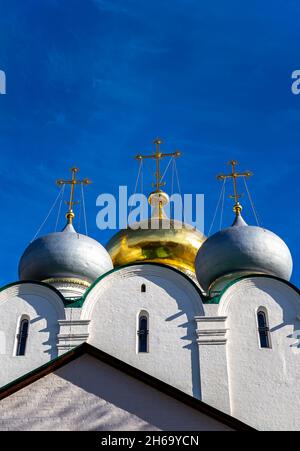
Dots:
pixel 73 182
pixel 158 155
pixel 234 176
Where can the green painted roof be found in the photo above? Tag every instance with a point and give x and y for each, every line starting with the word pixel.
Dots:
pixel 217 299
pixel 78 302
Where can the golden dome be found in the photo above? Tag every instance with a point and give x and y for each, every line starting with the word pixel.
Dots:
pixel 158 239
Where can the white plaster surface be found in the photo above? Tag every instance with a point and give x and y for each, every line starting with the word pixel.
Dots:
pixel 211 352
pixel 264 383
pixel 87 394
pixel 171 302
pixel 44 308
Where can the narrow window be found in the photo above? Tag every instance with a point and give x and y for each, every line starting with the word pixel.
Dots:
pixel 143 333
pixel 263 329
pixel 143 288
pixel 22 336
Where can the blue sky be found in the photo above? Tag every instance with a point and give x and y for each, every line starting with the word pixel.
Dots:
pixel 92 82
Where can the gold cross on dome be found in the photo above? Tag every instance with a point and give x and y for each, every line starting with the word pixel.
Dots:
pixel 73 182
pixel 158 155
pixel 234 176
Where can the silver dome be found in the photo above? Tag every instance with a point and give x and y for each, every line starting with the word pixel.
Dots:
pixel 65 254
pixel 242 249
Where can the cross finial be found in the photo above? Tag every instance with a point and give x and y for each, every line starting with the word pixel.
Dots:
pixel 237 208
pixel 73 182
pixel 158 155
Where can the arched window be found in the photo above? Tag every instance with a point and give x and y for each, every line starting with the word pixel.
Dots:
pixel 143 288
pixel 263 329
pixel 22 336
pixel 143 332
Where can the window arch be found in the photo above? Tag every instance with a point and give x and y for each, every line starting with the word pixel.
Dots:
pixel 22 336
pixel 263 328
pixel 143 332
pixel 143 288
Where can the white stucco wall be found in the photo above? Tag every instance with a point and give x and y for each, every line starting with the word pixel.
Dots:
pixel 44 308
pixel 171 301
pixel 87 394
pixel 264 383
pixel 212 339
pixel 213 354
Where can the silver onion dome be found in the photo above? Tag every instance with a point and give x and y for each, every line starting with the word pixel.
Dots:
pixel 64 255
pixel 242 249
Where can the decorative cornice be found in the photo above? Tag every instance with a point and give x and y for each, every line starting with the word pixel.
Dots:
pixel 209 331
pixel 74 322
pixel 71 333
pixel 206 319
pixel 211 337
pixel 73 337
pixel 67 281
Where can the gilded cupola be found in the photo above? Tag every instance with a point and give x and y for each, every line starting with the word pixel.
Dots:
pixel 157 239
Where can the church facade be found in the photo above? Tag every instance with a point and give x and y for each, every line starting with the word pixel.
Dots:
pixel 222 329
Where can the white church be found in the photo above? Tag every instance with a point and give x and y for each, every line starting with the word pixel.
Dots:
pixel 162 329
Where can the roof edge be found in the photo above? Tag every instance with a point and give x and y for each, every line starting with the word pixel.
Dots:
pixel 141 376
pixel 217 299
pixel 34 282
pixel 162 265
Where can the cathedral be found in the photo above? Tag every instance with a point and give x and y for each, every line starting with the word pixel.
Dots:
pixel 161 329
